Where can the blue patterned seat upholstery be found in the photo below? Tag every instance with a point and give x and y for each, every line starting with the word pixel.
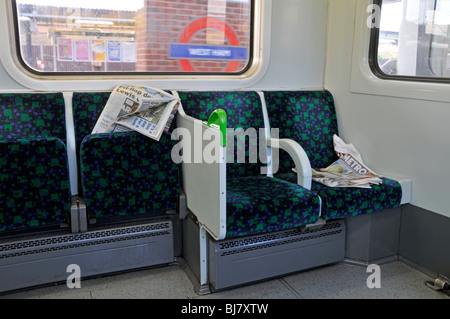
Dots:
pixel 309 118
pixel 128 175
pixel 32 114
pixel 87 107
pixel 261 204
pixel 123 175
pixel 34 176
pixel 255 203
pixel 243 111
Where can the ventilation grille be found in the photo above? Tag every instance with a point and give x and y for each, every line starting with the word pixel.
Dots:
pixel 58 243
pixel 277 239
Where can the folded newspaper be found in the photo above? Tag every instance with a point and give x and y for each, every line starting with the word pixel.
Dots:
pixel 348 171
pixel 146 110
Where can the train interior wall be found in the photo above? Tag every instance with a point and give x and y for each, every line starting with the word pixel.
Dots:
pixel 398 133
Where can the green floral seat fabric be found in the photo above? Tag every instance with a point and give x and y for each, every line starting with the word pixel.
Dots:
pixel 244 112
pixel 255 203
pixel 87 107
pixel 128 175
pixel 25 115
pixel 309 118
pixel 34 174
pixel 260 204
pixel 345 202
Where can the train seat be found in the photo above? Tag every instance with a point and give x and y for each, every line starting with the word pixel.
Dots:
pixel 237 206
pixel 34 173
pixel 129 186
pixel 255 203
pixel 309 118
pixel 124 176
pixel 372 216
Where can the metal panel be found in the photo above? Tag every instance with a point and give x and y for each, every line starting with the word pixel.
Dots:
pixel 249 259
pixel 39 261
pixel 425 240
pixel 373 237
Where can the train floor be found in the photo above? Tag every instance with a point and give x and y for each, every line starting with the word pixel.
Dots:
pixel 339 281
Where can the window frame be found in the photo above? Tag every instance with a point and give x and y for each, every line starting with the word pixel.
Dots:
pixel 373 58
pixel 254 66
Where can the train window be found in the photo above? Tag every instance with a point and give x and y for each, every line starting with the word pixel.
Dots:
pixel 139 36
pixel 411 39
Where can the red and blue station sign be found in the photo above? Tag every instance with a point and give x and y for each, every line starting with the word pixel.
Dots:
pixel 186 51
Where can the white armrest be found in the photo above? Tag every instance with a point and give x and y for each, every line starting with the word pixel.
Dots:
pixel 406 185
pixel 204 181
pixel 298 154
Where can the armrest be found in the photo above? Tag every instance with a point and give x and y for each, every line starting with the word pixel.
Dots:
pixel 406 185
pixel 204 179
pixel 298 154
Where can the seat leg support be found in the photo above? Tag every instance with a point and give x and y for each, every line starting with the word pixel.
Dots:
pixel 203 257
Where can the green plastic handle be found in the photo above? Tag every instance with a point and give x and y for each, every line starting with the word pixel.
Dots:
pixel 218 120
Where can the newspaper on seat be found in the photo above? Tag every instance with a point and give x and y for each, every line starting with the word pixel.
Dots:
pixel 348 171
pixel 146 110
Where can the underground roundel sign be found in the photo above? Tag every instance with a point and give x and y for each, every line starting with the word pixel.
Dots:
pixel 185 51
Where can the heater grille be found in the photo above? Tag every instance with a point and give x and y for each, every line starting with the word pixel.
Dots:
pixel 252 243
pixel 49 244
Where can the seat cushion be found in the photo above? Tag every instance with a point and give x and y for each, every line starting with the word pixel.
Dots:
pixel 262 204
pixel 128 174
pixel 341 202
pixel 34 184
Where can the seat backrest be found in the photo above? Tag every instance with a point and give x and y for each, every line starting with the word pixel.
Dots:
pixel 34 174
pixel 244 110
pixel 307 117
pixel 87 107
pixel 25 115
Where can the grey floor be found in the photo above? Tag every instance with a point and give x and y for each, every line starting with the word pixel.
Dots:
pixel 342 281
